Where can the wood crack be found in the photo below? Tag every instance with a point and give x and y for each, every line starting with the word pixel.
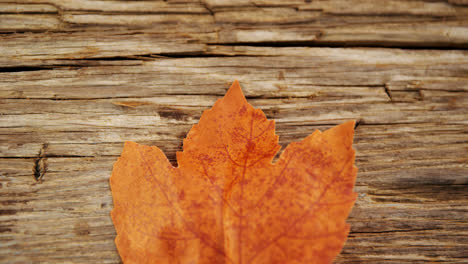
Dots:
pixel 24 68
pixel 387 92
pixel 40 165
pixel 314 43
pixel 351 233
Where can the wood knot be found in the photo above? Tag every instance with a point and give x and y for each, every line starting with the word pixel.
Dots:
pixel 82 228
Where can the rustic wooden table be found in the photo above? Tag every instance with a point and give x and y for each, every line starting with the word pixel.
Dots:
pixel 78 78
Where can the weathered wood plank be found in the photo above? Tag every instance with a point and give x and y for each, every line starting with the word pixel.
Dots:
pixel 391 22
pixel 18 51
pixel 289 72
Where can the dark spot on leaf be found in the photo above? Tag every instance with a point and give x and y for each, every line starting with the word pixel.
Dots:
pixel 242 110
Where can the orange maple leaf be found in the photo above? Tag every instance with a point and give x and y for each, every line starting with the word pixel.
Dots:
pixel 226 202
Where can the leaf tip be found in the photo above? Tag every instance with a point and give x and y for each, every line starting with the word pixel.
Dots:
pixel 235 92
pixel 128 144
pixel 350 125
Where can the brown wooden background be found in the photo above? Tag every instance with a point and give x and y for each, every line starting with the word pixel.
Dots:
pixel 77 78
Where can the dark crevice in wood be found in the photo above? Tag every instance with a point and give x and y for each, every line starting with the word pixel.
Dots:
pixel 24 68
pixel 265 96
pixel 200 55
pixel 391 14
pixel 363 122
pixel 226 6
pixel 7 212
pixel 50 156
pixel 171 56
pixel 112 97
pixel 38 31
pixel 353 44
pixel 115 58
pixel 135 13
pixel 4 229
pixel 387 92
pixel 250 97
pixel 432 90
pixel 207 7
pixel 174 113
pixel 40 165
pixel 395 231
pixel 356 125
pixel 30 13
pixel 145 57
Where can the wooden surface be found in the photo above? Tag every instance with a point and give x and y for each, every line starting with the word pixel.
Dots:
pixel 78 78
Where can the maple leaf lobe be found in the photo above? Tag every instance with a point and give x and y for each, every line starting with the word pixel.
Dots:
pixel 226 202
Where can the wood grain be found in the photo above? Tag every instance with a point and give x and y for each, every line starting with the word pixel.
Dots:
pixel 78 78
